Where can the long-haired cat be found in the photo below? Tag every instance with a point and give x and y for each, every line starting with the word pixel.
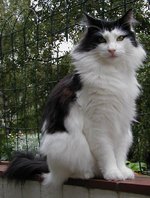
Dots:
pixel 86 129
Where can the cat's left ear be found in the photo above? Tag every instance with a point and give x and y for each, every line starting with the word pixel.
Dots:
pixel 127 19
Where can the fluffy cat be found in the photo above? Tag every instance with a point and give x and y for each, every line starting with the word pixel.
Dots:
pixel 87 120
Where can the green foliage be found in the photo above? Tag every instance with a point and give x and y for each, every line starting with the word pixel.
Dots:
pixel 6 147
pixel 137 166
pixel 19 142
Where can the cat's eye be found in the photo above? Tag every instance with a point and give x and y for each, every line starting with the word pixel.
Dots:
pixel 101 39
pixel 121 38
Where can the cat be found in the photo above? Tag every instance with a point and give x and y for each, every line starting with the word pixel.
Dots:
pixel 86 129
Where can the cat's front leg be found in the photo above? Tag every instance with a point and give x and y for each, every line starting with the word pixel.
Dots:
pixel 127 172
pixel 108 166
pixel 121 151
pixel 103 152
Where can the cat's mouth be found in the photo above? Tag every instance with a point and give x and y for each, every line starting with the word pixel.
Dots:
pixel 113 56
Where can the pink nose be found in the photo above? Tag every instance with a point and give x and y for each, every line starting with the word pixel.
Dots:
pixel 112 51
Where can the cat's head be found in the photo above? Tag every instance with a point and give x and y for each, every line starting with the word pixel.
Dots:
pixel 110 40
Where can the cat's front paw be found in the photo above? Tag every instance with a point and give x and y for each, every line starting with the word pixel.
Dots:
pixel 113 174
pixel 127 173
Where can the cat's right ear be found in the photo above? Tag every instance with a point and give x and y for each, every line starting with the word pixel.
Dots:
pixel 88 20
pixel 127 20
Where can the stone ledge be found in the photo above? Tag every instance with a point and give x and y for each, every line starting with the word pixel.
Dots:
pixel 140 185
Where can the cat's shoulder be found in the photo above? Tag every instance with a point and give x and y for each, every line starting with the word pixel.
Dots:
pixel 67 86
pixel 58 104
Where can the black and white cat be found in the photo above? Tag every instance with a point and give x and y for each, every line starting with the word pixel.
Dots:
pixel 86 124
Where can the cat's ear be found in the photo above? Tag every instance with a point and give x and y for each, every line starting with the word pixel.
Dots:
pixel 127 19
pixel 89 21
pixel 128 16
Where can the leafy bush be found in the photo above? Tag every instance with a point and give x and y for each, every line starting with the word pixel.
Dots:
pixel 137 166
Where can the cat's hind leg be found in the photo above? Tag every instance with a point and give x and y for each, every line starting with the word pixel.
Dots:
pixel 68 153
pixel 70 158
pixel 54 147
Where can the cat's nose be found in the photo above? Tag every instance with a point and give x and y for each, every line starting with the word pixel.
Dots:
pixel 112 51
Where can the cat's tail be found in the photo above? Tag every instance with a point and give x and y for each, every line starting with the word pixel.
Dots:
pixel 25 166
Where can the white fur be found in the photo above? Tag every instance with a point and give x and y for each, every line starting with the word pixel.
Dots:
pixel 99 121
pixel 68 155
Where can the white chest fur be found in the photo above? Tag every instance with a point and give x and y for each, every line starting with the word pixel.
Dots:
pixel 110 94
pixel 109 87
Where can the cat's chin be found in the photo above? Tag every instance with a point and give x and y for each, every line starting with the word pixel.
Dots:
pixel 113 57
pixel 110 57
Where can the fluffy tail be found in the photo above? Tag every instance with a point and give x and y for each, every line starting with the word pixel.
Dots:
pixel 25 166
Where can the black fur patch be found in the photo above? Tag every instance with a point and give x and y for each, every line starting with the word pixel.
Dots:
pixel 57 107
pixel 25 166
